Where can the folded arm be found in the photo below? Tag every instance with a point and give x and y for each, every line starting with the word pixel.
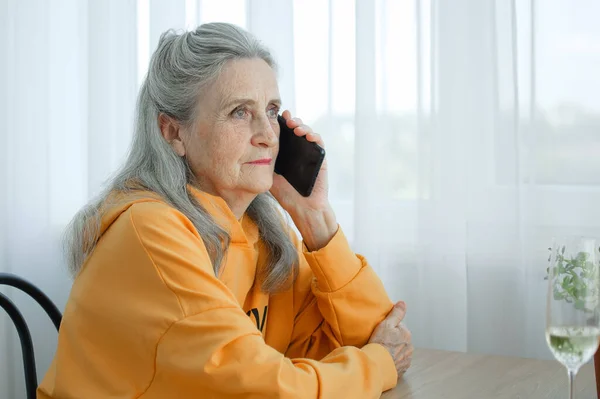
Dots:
pixel 215 350
pixel 338 300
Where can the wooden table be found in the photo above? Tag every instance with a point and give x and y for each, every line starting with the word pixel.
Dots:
pixel 440 374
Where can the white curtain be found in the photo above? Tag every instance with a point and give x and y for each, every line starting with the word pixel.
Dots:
pixel 461 136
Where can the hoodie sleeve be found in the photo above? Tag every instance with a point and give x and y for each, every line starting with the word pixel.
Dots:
pixel 214 350
pixel 338 300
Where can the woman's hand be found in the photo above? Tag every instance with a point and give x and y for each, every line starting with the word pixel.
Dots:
pixel 395 337
pixel 313 215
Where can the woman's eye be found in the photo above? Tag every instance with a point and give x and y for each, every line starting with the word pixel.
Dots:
pixel 272 112
pixel 239 113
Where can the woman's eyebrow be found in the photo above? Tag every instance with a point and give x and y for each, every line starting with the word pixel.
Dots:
pixel 238 101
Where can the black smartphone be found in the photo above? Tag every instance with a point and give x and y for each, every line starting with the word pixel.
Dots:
pixel 299 160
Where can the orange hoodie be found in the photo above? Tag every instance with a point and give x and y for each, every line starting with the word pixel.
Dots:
pixel 147 317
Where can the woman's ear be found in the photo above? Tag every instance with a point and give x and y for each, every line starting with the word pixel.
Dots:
pixel 171 130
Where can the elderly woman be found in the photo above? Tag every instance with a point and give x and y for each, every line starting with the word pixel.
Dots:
pixel 189 282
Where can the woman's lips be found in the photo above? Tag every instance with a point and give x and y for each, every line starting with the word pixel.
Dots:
pixel 264 161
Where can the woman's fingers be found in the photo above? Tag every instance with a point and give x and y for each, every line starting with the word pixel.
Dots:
pixel 405 349
pixel 302 130
pixel 286 114
pixel 395 337
pixel 396 315
pixel 400 304
pixel 405 332
pixel 306 131
pixel 403 362
pixel 315 138
pixel 403 359
pixel 292 123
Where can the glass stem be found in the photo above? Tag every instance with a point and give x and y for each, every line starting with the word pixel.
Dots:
pixel 572 374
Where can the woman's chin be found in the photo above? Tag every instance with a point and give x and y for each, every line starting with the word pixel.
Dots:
pixel 260 186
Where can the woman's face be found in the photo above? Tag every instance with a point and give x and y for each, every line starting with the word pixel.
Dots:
pixel 234 142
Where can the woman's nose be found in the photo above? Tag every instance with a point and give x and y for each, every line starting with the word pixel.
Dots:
pixel 264 135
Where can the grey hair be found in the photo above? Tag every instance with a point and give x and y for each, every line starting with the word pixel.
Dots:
pixel 182 64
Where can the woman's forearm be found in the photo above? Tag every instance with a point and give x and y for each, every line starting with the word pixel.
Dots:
pixel 317 227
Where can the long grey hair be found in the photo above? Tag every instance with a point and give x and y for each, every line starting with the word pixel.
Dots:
pixel 181 65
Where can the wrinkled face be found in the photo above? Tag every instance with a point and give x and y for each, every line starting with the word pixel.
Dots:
pixel 234 141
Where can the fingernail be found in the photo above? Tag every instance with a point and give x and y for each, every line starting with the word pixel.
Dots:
pixel 401 305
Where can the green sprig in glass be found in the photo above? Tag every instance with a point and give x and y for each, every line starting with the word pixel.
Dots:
pixel 572 322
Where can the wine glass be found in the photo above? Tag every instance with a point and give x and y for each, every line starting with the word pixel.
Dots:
pixel 573 310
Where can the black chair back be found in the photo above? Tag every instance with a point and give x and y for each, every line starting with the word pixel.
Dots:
pixel 49 307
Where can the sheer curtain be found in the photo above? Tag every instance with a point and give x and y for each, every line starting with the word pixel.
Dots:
pixel 461 137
